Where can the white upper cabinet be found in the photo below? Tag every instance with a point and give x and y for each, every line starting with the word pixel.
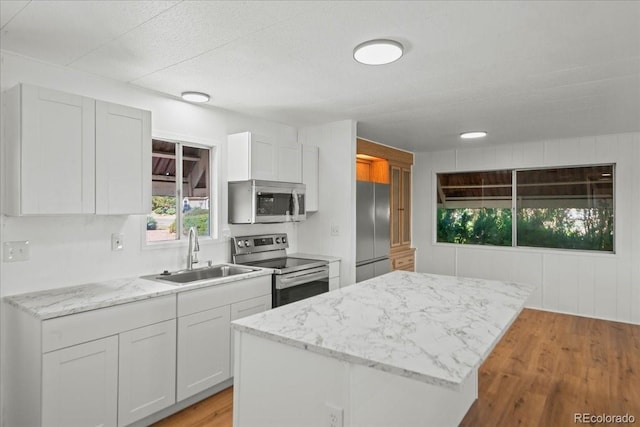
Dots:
pixel 49 152
pixel 310 175
pixel 289 167
pixel 68 154
pixel 123 159
pixel 253 157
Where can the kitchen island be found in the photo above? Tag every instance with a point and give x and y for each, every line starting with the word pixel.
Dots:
pixel 402 349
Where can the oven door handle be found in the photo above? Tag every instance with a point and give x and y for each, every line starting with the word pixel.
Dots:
pixel 315 274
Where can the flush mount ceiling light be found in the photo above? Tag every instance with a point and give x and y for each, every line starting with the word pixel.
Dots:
pixel 473 135
pixel 378 52
pixel 195 97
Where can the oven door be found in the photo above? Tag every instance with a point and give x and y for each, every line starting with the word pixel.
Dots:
pixel 291 287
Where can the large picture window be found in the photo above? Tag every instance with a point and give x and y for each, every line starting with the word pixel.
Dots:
pixel 562 208
pixel 179 204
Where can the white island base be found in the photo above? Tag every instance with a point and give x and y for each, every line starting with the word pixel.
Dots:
pixel 278 385
pixel 399 350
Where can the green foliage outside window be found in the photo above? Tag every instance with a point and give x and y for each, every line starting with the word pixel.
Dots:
pixel 198 218
pixel 163 205
pixel 565 228
pixel 585 229
pixel 475 226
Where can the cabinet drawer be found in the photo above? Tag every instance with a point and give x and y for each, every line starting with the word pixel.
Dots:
pixel 249 307
pixel 90 325
pixel 402 262
pixel 216 296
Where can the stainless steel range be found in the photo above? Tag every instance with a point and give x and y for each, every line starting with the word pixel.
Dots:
pixel 293 278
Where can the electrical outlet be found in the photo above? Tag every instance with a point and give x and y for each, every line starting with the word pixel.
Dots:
pixel 117 242
pixel 335 230
pixel 334 416
pixel 15 251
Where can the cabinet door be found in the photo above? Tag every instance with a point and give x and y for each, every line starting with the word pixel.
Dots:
pixel 147 371
pixel 289 163
pixel 123 159
pixel 203 351
pixel 80 385
pixel 405 213
pixel 334 283
pixel 310 176
pixel 263 159
pixel 57 153
pixel 396 206
pixel 334 275
pixel 247 308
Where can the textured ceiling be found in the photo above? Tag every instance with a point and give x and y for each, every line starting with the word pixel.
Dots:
pixel 523 71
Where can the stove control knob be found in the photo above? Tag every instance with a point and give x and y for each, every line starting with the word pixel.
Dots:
pixel 247 243
pixel 277 240
pixel 284 240
pixel 240 243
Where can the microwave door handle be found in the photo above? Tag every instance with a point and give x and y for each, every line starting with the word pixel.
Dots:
pixel 296 205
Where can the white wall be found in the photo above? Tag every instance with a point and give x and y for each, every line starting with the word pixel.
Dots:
pixel 70 250
pixel 605 286
pixel 337 201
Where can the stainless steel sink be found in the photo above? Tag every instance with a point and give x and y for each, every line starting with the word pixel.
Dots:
pixel 185 277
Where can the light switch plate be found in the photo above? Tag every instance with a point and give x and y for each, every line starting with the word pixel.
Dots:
pixel 117 242
pixel 15 251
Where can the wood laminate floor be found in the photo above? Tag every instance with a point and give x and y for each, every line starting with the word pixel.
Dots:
pixel 546 368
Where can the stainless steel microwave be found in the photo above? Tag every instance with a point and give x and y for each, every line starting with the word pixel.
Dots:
pixel 255 201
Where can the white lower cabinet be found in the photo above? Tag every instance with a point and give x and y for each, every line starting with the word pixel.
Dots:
pixel 107 367
pixel 115 366
pixel 203 350
pixel 80 385
pixel 334 275
pixel 147 371
pixel 204 330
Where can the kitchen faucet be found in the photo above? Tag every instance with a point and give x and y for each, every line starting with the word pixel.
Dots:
pixel 193 248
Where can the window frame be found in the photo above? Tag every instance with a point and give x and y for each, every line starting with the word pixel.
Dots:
pixel 215 195
pixel 514 200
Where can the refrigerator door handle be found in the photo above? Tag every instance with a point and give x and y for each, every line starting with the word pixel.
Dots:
pixel 371 261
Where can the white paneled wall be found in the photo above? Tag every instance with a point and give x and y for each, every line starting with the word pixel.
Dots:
pixel 598 285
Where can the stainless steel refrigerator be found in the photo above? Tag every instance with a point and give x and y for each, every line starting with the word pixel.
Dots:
pixel 372 230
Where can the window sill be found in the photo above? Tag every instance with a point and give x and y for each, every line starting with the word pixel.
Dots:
pixel 526 249
pixel 171 244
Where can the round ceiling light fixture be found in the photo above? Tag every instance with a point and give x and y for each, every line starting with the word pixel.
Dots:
pixel 378 52
pixel 195 97
pixel 473 135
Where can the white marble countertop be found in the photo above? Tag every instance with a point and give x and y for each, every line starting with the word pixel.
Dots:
pixel 327 258
pixel 53 303
pixel 432 328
